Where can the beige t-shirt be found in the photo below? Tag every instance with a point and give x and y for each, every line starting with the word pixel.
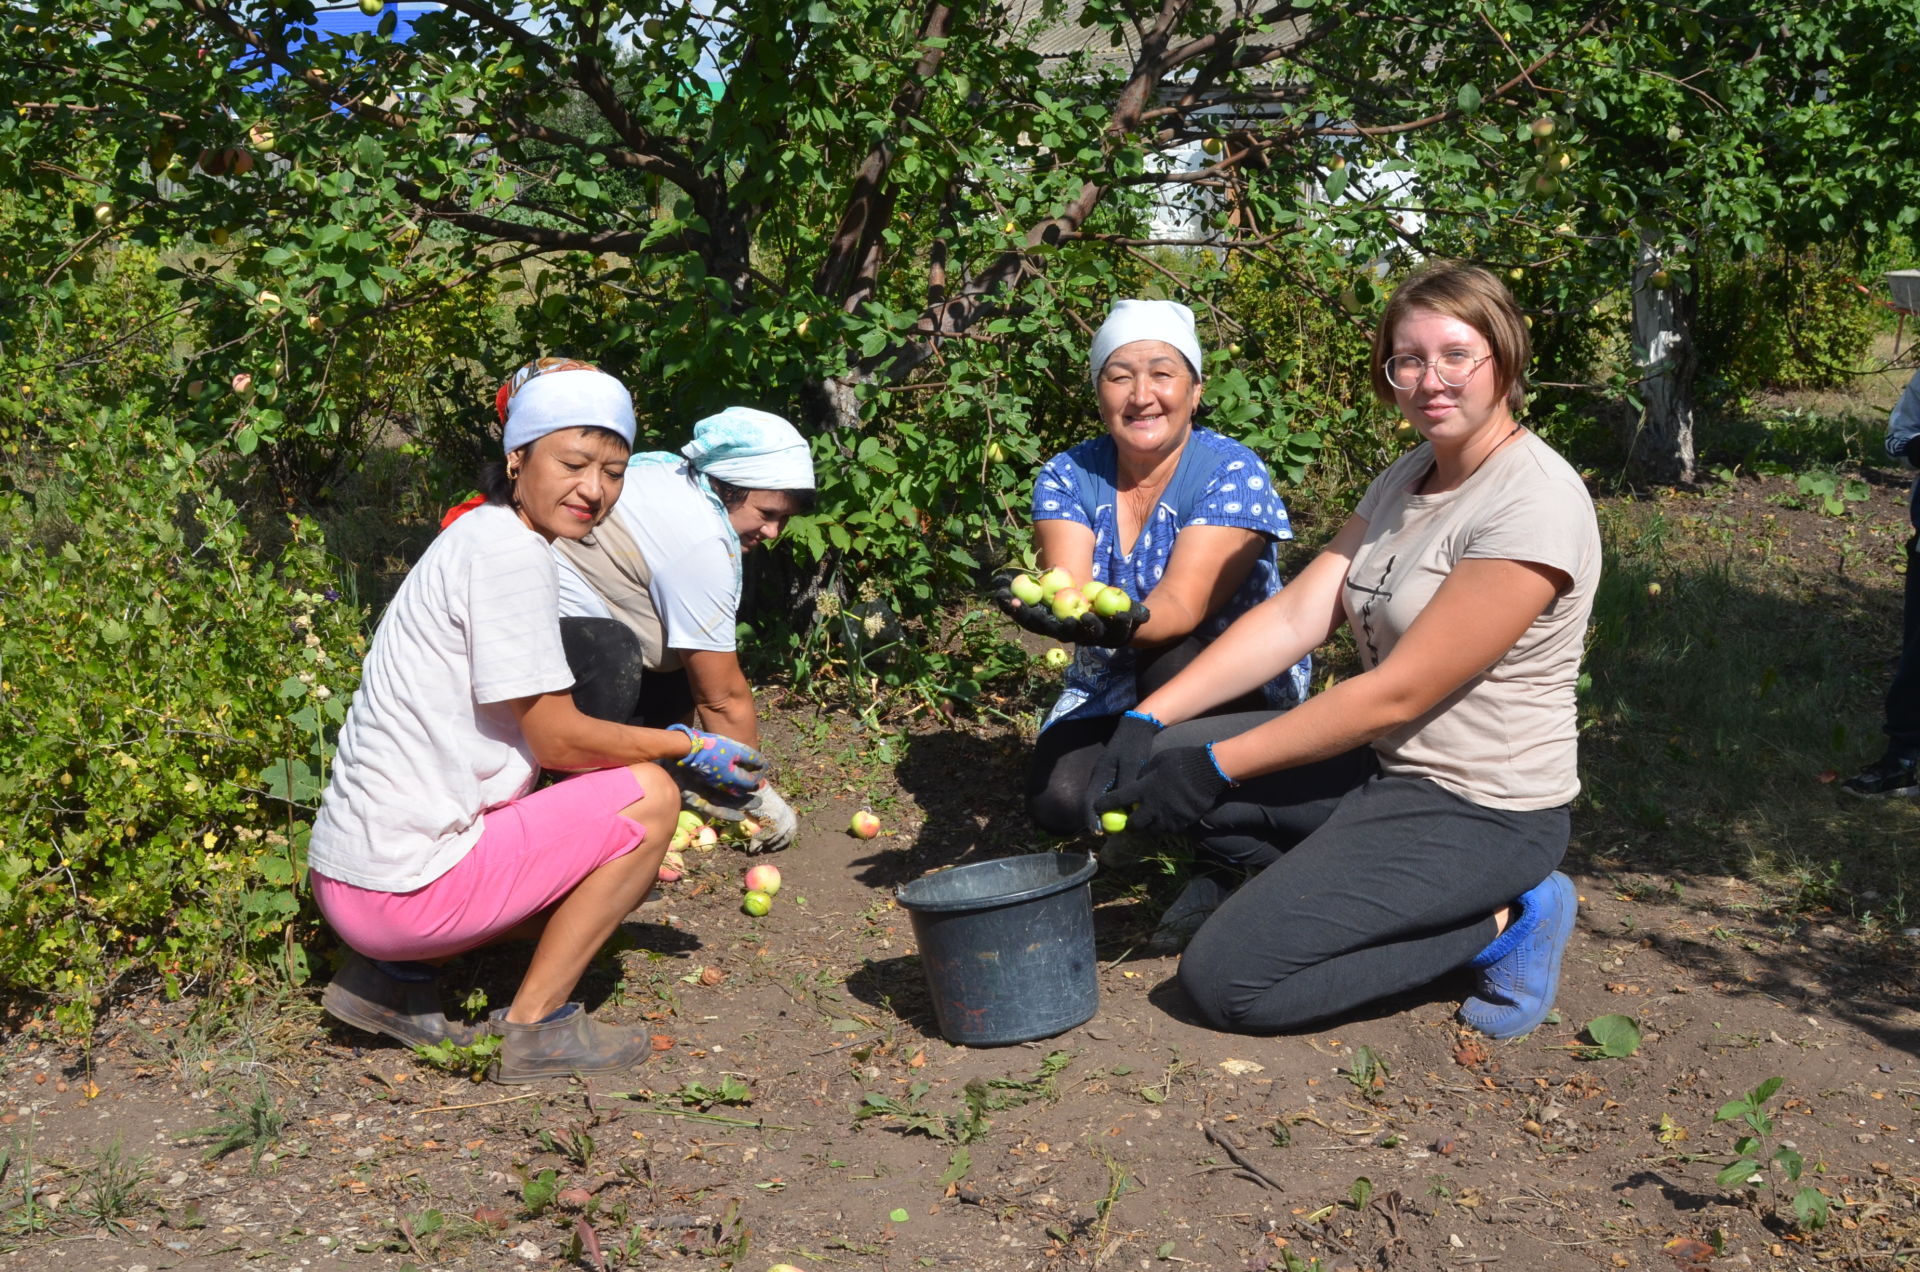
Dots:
pixel 1507 738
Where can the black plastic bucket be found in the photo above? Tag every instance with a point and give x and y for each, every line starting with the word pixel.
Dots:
pixel 1007 946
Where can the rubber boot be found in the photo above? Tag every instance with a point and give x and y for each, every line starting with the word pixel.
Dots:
pixel 1520 972
pixel 367 998
pixel 567 1042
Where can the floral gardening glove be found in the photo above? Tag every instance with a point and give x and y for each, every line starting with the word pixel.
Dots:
pixel 729 767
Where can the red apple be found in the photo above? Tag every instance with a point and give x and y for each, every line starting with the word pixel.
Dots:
pixel 764 879
pixel 864 825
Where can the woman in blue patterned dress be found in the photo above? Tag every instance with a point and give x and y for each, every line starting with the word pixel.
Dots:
pixel 1180 518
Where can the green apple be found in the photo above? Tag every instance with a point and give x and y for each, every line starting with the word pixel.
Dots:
pixel 1026 591
pixel 1069 603
pixel 756 903
pixel 1212 145
pixel 1542 128
pixel 996 453
pixel 372 7
pixel 1113 822
pixel 1058 658
pixel 1093 591
pixel 1112 601
pixel 1052 581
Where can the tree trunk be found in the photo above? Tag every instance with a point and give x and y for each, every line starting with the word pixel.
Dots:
pixel 1663 341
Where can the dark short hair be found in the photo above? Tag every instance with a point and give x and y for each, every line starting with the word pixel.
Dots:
pixel 732 496
pixel 497 488
pixel 1471 295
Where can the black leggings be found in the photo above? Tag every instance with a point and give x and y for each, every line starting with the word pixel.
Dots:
pixel 1365 885
pixel 610 679
pixel 1065 753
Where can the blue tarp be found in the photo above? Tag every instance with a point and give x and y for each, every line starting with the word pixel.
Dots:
pixel 347 20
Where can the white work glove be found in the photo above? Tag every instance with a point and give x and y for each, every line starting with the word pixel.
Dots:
pixel 775 819
pixel 778 825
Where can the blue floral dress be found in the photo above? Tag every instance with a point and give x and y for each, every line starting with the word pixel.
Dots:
pixel 1218 482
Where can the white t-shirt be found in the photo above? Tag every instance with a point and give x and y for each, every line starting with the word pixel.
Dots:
pixel 430 744
pixel 1509 737
pixel 691 550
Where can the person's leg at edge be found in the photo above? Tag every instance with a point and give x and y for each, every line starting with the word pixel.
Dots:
pixel 1897 772
pixel 575 929
pixel 1399 885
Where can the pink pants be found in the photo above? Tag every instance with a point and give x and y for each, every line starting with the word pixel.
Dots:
pixel 531 854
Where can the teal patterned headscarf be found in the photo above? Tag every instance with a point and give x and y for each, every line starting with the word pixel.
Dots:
pixel 750 449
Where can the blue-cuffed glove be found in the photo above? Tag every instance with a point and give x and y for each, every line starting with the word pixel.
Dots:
pixel 729 767
pixel 1177 788
pixel 1120 761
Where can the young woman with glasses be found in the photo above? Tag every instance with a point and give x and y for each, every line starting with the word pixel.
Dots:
pixel 1410 819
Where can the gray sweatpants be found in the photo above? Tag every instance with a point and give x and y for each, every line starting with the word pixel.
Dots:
pixel 1364 885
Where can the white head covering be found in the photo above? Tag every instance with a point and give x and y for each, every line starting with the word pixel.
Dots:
pixel 754 450
pixel 1132 320
pixel 568 396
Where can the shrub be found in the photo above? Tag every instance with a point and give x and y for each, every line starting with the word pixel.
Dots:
pixel 168 692
pixel 1786 320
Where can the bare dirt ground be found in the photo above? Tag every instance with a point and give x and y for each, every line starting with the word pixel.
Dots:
pixel 1393 1139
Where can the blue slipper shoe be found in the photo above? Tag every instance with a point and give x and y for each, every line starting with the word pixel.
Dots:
pixel 1520 971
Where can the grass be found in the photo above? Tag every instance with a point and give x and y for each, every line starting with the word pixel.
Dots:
pixel 1733 675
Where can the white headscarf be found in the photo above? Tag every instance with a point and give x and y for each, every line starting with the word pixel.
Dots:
pixel 754 450
pixel 550 394
pixel 1132 320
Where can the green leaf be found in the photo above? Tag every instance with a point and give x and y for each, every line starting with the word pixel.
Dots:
pixel 1736 1174
pixel 1469 98
pixel 1617 1036
pixel 898 1215
pixel 958 1165
pixel 1810 1209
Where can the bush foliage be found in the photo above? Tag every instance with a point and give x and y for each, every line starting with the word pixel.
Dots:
pixel 167 691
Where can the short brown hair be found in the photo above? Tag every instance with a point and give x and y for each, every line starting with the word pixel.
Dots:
pixel 1471 295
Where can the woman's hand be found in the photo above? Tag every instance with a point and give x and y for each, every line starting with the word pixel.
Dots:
pixel 732 768
pixel 1035 618
pixel 1177 788
pixel 1121 760
pixel 1115 632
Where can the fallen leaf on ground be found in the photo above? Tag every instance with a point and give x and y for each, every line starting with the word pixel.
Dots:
pixel 1240 1068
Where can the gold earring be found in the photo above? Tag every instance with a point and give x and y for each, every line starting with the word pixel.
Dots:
pixel 513 472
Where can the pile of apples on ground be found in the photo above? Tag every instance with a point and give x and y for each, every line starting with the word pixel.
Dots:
pixel 762 881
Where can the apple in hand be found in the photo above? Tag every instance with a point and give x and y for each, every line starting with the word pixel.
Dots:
pixel 1093 591
pixel 864 825
pixel 764 879
pixel 1069 603
pixel 1052 581
pixel 1025 590
pixel 1113 821
pixel 1112 601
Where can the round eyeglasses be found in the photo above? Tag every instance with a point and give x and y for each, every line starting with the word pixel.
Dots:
pixel 1455 368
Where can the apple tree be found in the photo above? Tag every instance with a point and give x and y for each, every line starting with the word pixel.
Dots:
pixel 899 222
